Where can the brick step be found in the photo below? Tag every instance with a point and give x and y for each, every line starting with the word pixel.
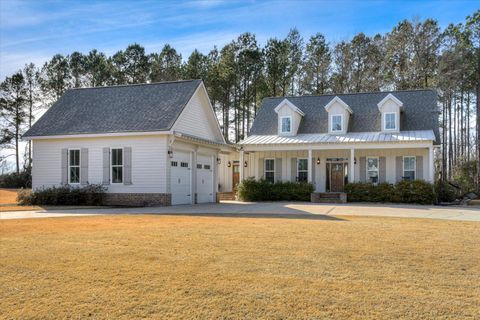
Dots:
pixel 328 197
pixel 225 196
pixel 474 203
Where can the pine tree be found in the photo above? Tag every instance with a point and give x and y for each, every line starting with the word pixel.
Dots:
pixel 13 113
pixel 316 66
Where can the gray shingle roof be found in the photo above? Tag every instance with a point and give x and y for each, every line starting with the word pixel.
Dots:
pixel 420 112
pixel 128 108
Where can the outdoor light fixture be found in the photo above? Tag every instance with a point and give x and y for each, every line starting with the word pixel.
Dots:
pixel 245 164
pixel 355 160
pixel 219 160
pixel 229 164
pixel 170 153
pixel 318 160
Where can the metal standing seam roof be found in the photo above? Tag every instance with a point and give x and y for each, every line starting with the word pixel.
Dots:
pixel 353 137
pixel 420 112
pixel 123 108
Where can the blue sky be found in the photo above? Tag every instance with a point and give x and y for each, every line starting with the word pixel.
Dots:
pixel 35 30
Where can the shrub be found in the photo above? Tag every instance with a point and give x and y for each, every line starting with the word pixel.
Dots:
pixel 417 191
pixel 445 192
pixel 358 191
pixel 16 180
pixel 261 190
pixel 90 195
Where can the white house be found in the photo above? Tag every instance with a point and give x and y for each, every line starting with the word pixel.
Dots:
pixel 330 140
pixel 161 144
pixel 149 144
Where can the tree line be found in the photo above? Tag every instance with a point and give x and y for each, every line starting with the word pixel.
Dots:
pixel 415 54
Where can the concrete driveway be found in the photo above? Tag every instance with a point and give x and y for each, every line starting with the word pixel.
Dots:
pixel 272 209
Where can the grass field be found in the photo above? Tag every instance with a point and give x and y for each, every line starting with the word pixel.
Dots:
pixel 211 267
pixel 8 201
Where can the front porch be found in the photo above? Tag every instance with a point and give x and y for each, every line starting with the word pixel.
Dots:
pixel 329 167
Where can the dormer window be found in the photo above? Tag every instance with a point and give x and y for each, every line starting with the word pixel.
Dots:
pixel 338 116
pixel 390 108
pixel 390 121
pixel 289 118
pixel 337 123
pixel 286 123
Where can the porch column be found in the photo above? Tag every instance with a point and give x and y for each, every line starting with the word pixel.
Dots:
pixel 310 179
pixel 241 165
pixel 431 164
pixel 351 174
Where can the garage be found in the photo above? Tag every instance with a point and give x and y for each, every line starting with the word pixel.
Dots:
pixel 204 179
pixel 180 174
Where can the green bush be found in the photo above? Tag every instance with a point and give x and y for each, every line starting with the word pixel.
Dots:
pixel 417 191
pixel 261 190
pixel 445 192
pixel 16 180
pixel 90 195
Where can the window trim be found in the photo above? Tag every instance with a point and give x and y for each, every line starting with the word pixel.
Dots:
pixel 111 165
pixel 79 165
pixel 281 124
pixel 414 167
pixel 385 121
pixel 265 168
pixel 378 168
pixel 341 122
pixel 298 171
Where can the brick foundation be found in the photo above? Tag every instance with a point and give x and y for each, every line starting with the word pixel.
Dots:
pixel 328 197
pixel 137 199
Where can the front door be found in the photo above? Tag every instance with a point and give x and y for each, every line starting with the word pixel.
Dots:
pixel 337 177
pixel 235 177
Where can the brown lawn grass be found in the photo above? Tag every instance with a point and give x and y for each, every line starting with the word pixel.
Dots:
pixel 8 201
pixel 212 267
pixel 8 196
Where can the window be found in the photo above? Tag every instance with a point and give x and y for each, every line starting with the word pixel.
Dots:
pixel 74 166
pixel 270 170
pixel 372 169
pixel 337 123
pixel 390 121
pixel 199 166
pixel 409 164
pixel 174 163
pixel 302 169
pixel 117 165
pixel 286 124
pixel 184 164
pixel 206 166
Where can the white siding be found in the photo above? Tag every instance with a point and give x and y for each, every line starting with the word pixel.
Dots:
pixel 198 119
pixel 390 155
pixel 149 154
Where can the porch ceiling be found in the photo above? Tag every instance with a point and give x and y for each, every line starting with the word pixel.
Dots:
pixel 352 137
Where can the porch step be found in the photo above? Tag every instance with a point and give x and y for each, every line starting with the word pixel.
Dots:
pixel 222 196
pixel 328 197
pixel 474 203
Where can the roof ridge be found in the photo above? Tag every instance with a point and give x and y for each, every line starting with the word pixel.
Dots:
pixel 136 84
pixel 349 93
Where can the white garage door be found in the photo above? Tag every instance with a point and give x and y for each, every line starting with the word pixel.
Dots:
pixel 204 179
pixel 180 178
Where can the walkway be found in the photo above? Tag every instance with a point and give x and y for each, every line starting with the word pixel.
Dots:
pixel 272 209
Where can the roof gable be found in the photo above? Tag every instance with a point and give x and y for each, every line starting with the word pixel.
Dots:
pixel 390 97
pixel 340 102
pixel 126 108
pixel 289 104
pixel 198 118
